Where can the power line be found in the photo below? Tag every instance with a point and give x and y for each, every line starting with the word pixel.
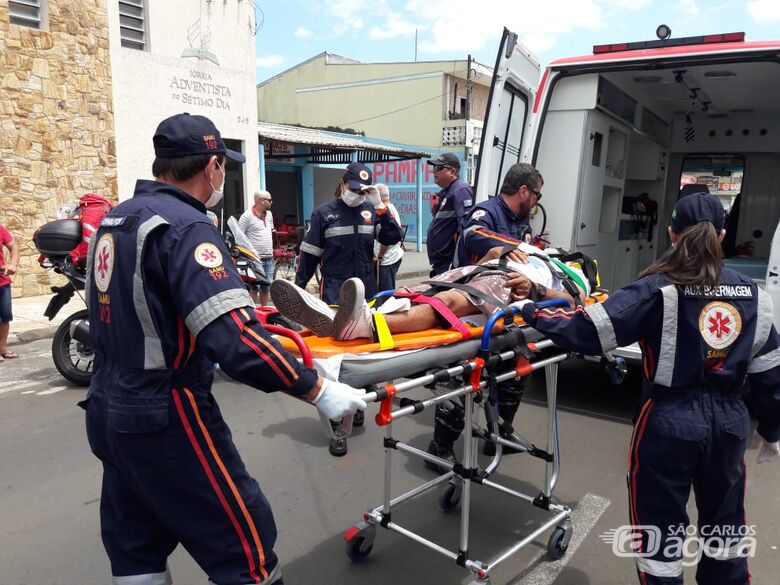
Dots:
pixel 343 124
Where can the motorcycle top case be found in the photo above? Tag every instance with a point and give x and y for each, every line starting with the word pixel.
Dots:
pixel 58 237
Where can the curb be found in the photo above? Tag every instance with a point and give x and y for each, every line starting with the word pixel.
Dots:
pixel 32 335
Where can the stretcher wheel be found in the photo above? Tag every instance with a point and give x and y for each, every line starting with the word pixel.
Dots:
pixel 360 417
pixel 338 447
pixel 359 541
pixel 558 543
pixel 450 497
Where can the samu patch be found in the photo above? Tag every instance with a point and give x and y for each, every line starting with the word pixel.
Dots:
pixel 367 217
pixel 104 262
pixel 208 255
pixel 720 324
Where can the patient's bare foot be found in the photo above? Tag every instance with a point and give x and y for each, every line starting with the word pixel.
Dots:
pixel 302 307
pixel 353 319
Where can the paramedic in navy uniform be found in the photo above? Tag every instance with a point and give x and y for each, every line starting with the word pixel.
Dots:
pixel 453 201
pixel 499 221
pixel 165 304
pixel 702 328
pixel 502 219
pixel 341 236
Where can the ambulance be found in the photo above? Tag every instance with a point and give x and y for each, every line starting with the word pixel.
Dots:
pixel 621 134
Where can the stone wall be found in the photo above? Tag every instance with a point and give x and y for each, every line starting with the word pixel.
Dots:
pixel 56 123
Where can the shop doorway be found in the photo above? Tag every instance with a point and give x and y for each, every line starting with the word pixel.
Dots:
pixel 232 204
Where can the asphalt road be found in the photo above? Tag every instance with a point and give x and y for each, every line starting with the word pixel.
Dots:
pixel 50 488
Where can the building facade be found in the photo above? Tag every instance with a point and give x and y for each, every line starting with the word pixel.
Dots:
pixel 174 56
pixel 85 83
pixel 56 118
pixel 422 103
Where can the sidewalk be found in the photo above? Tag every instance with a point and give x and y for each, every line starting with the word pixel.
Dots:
pixel 29 324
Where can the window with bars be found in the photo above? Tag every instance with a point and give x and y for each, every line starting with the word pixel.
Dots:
pixel 25 13
pixel 132 24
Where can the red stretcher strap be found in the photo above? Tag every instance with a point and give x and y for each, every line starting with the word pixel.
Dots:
pixel 441 308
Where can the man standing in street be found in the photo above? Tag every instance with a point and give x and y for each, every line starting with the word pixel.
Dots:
pixel 453 201
pixel 165 304
pixel 257 223
pixel 6 271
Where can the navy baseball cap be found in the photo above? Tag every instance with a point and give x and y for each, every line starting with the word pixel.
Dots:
pixel 446 159
pixel 695 208
pixel 357 176
pixel 186 135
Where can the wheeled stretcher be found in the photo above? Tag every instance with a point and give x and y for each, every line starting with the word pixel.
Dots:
pixel 471 366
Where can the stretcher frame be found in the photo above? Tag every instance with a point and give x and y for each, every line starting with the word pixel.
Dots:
pixel 480 373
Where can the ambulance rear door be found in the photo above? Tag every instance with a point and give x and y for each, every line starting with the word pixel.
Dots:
pixel 507 129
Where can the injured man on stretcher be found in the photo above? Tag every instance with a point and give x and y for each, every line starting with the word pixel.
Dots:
pixel 501 277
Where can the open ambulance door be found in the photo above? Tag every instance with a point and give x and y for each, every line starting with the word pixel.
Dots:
pixel 505 131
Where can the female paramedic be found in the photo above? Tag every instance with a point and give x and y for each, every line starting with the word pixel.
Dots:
pixel 702 327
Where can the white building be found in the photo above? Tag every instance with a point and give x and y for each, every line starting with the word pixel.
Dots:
pixel 173 56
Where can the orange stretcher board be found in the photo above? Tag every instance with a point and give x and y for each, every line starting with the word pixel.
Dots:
pixel 325 347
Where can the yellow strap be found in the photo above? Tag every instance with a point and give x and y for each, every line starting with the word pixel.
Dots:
pixel 383 332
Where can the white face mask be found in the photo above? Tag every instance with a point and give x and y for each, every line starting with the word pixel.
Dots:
pixel 351 198
pixel 216 194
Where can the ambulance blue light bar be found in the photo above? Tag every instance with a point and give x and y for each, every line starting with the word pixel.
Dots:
pixel 737 37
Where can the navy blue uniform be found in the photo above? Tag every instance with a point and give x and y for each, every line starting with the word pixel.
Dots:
pixel 453 203
pixel 341 241
pixel 490 224
pixel 165 303
pixel 692 425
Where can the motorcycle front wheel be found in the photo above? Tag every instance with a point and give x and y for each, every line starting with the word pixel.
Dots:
pixel 73 359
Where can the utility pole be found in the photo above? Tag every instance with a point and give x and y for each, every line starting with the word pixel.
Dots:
pixel 415 45
pixel 467 114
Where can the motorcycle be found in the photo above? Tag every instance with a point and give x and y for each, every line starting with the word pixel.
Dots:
pixel 71 350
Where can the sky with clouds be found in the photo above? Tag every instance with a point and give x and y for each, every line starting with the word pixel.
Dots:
pixel 384 30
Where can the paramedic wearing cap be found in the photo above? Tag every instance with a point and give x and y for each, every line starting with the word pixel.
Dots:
pixel 702 327
pixel 166 303
pixel 502 220
pixel 453 201
pixel 499 221
pixel 341 236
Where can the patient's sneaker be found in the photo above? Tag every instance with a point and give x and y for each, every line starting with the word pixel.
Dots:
pixel 353 319
pixel 302 307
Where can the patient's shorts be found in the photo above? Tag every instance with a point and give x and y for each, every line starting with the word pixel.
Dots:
pixel 490 282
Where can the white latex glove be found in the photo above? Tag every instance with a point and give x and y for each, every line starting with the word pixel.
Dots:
pixel 768 451
pixel 372 194
pixel 336 400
